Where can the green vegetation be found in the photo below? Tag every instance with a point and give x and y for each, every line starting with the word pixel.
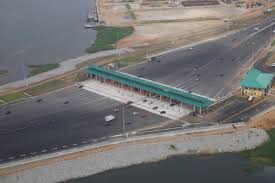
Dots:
pixel 273 43
pixel 37 69
pixel 46 87
pixel 263 155
pixel 2 72
pixel 13 96
pixel 107 36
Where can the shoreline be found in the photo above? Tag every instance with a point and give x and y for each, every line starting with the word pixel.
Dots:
pixel 138 153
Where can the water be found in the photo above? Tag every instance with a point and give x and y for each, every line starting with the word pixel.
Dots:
pixel 226 168
pixel 40 32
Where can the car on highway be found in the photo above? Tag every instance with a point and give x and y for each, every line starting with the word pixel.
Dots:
pixel 256 28
pixel 135 113
pixel 273 65
pixel 78 85
pixel 154 108
pixel 116 110
pixel 39 100
pixel 7 112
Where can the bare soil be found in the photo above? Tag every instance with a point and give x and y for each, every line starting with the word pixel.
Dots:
pixel 267 121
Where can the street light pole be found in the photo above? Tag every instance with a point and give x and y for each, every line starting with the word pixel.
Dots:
pixel 123 120
pixel 253 50
pixel 271 35
pixel 23 69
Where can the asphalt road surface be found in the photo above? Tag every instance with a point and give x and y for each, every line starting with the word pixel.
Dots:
pixel 52 124
pixel 63 119
pixel 211 69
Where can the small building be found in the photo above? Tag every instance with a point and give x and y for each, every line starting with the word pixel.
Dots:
pixel 256 83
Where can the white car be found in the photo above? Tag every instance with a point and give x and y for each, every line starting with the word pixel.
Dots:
pixel 273 65
pixel 256 28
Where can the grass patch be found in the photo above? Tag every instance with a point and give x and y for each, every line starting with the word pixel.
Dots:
pixel 46 87
pixel 37 69
pixel 263 155
pixel 107 36
pixel 273 43
pixel 13 96
pixel 2 72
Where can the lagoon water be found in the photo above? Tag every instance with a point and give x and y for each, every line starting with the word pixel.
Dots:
pixel 41 32
pixel 226 168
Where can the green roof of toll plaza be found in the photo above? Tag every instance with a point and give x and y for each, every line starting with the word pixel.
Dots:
pixel 144 84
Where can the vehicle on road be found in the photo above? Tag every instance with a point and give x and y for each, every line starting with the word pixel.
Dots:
pixel 78 85
pixel 8 112
pixel 256 28
pixel 116 110
pixel 273 65
pixel 129 102
pixel 135 113
pixel 66 102
pixel 154 108
pixel 162 112
pixel 109 118
pixel 39 100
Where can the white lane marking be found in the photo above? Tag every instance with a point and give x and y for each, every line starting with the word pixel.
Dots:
pixel 64 146
pixel 84 142
pixel 33 153
pixel 74 144
pixel 95 140
pixel 22 155
pixel 55 148
pixel 11 157
pixel 116 135
pixel 44 151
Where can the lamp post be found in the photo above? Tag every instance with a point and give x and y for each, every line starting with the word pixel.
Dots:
pixel 271 35
pixel 22 67
pixel 123 120
pixel 253 52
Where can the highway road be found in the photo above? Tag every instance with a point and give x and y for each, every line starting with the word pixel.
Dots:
pixel 40 127
pixel 212 68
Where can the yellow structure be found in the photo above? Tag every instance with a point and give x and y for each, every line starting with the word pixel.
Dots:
pixel 256 83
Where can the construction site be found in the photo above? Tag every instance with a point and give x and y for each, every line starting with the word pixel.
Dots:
pixel 150 18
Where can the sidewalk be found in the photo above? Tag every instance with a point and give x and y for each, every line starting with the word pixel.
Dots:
pixel 65 66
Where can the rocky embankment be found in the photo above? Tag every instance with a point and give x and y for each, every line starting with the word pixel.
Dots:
pixel 139 152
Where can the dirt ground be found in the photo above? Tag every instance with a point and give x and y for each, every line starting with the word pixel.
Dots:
pixel 155 21
pixel 267 121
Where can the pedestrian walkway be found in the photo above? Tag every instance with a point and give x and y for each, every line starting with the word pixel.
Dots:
pixel 65 66
pixel 151 104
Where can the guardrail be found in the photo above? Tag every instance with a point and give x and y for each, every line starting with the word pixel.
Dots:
pixel 112 140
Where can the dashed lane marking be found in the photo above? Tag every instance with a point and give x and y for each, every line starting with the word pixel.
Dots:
pixel 11 158
pixel 74 144
pixel 84 142
pixel 44 151
pixel 64 146
pixel 22 155
pixel 33 153
pixel 55 148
